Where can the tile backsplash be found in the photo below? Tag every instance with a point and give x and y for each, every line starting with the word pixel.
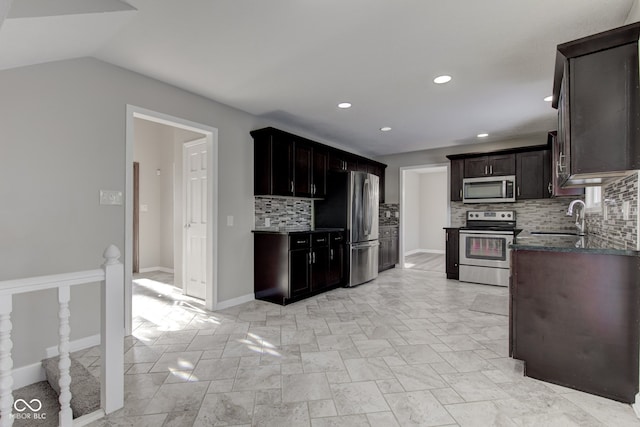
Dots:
pixel 282 212
pixel 391 219
pixel 531 215
pixel 615 231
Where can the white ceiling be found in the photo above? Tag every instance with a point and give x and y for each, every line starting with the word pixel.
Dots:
pixel 292 61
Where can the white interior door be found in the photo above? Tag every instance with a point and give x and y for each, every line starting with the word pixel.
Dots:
pixel 195 228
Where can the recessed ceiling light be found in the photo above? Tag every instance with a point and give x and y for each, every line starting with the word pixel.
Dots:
pixel 385 129
pixel 442 79
pixel 548 98
pixel 344 105
pixel 483 135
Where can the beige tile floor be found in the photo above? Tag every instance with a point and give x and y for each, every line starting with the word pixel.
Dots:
pixel 403 350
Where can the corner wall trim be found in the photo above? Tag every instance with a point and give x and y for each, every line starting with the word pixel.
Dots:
pixel 27 375
pixel 234 301
pixel 75 345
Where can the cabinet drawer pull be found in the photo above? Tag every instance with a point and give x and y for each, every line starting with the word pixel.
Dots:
pixel 301 241
pixel 320 240
pixel 485 169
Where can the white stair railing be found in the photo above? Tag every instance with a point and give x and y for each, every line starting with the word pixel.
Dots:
pixel 111 335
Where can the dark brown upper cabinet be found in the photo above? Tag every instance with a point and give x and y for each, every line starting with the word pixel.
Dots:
pixel 532 174
pixel 596 91
pixel 289 165
pixel 556 161
pixel 457 174
pixel 491 165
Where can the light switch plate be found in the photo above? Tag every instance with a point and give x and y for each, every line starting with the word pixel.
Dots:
pixel 229 220
pixel 110 197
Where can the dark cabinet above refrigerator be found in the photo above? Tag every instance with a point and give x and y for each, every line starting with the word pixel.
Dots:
pixel 292 166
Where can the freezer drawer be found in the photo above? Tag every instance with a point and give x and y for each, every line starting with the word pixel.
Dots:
pixel 363 262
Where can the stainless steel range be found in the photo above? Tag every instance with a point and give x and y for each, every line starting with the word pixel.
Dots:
pixel 484 247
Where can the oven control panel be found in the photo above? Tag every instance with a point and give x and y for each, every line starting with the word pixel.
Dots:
pixel 491 215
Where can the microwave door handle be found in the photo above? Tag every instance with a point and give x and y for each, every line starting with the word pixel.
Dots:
pixel 504 188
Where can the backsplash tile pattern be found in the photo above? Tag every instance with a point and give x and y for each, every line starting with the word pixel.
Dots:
pixel 531 215
pixel 392 208
pixel 615 231
pixel 283 212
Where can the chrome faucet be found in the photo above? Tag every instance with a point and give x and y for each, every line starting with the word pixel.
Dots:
pixel 579 215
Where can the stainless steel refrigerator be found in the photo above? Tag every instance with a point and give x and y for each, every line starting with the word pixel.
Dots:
pixel 352 204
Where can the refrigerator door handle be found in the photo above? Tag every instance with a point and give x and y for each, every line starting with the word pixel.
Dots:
pixel 366 202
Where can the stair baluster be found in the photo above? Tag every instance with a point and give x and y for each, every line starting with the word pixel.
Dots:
pixel 6 363
pixel 65 416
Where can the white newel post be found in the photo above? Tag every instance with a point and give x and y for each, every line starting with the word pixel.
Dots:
pixel 6 363
pixel 65 417
pixel 112 333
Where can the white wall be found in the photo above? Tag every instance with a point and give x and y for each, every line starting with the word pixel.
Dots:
pixel 153 149
pixel 634 13
pixel 433 210
pixel 411 209
pixel 62 128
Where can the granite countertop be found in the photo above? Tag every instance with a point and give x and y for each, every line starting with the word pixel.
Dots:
pixel 562 243
pixel 294 230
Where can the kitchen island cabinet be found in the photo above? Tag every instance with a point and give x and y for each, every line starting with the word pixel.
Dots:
pixel 289 266
pixel 575 313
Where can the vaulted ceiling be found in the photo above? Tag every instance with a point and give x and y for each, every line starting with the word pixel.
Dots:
pixel 293 61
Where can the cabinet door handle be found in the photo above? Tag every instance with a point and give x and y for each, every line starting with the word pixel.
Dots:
pixel 550 188
pixel 291 186
pixel 313 257
pixel 309 257
pixel 331 254
pixel 518 191
pixel 490 169
pixel 485 169
pixel 461 193
pixel 446 238
pixel 321 240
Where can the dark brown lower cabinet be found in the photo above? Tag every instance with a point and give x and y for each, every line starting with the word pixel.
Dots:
pixel 452 255
pixel 388 251
pixel 289 267
pixel 574 320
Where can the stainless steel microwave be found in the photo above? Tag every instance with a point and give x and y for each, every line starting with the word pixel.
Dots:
pixel 489 189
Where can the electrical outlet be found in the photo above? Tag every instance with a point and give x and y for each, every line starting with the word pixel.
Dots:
pixel 267 222
pixel 397 214
pixel 625 210
pixel 229 220
pixel 387 214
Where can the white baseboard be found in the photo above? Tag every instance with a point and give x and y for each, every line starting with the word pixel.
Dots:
pixel 424 251
pixel 160 269
pixel 88 418
pixel 234 301
pixel 76 345
pixel 27 375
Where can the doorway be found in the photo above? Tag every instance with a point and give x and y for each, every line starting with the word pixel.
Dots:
pixel 424 208
pixel 170 206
